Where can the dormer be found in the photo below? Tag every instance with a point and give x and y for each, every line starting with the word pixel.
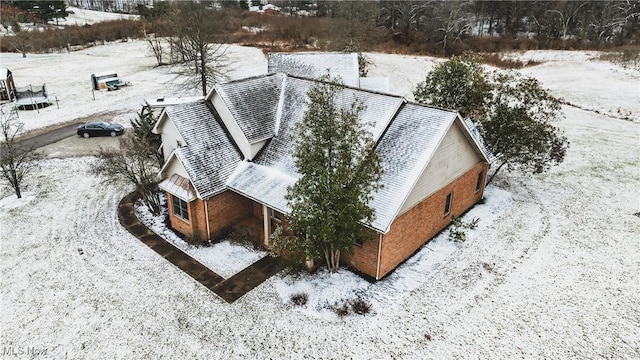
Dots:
pixel 249 110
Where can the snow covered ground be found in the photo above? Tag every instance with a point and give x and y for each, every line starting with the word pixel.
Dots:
pixel 67 77
pixel 224 258
pixel 551 272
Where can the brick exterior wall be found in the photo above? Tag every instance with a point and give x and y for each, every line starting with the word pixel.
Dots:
pixel 407 234
pixel 224 209
pixel 185 227
pixel 365 257
pixel 417 226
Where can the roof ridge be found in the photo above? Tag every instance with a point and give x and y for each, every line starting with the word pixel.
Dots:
pixel 343 85
pixel 431 106
pixel 249 78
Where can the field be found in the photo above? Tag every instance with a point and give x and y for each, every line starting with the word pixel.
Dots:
pixel 553 271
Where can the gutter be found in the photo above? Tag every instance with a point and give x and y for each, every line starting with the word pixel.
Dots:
pixel 206 214
pixel 379 252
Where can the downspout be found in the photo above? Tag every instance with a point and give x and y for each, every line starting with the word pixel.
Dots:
pixel 206 214
pixel 379 252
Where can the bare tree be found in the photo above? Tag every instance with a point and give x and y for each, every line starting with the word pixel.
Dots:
pixel 21 39
pixel 132 163
pixel 567 15
pixel 404 16
pixel 455 23
pixel 16 160
pixel 200 56
pixel 157 38
pixel 155 44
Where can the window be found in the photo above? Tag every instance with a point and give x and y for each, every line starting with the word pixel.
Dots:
pixel 447 204
pixel 479 182
pixel 276 215
pixel 180 208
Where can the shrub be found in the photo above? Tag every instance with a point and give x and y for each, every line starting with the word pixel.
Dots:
pixel 196 241
pixel 299 299
pixel 360 306
pixel 505 63
pixel 342 310
pixel 458 228
pixel 242 236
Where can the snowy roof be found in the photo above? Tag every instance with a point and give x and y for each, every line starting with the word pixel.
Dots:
pixel 4 73
pixel 262 184
pixel 406 134
pixel 315 65
pixel 168 101
pixel 473 129
pixel 253 102
pixel 277 155
pixel 178 186
pixel 404 151
pixel 105 73
pixel 209 156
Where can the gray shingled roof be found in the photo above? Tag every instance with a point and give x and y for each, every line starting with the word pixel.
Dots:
pixel 404 149
pixel 379 109
pixel 253 102
pixel 209 155
pixel 315 65
pixel 275 162
pixel 407 135
pixel 263 184
pixel 277 154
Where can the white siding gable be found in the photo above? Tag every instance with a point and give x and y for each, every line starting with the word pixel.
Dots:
pixel 453 157
pixel 175 167
pixel 170 135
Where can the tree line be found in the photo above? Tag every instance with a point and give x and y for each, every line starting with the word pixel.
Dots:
pixel 424 27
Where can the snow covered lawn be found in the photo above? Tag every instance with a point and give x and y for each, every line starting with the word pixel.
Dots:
pixel 223 258
pixel 553 270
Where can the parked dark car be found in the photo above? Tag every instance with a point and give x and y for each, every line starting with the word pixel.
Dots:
pixel 99 128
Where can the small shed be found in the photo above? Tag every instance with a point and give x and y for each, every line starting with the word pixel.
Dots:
pixel 108 80
pixel 7 86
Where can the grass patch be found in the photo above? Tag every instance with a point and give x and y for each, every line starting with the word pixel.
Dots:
pixel 626 56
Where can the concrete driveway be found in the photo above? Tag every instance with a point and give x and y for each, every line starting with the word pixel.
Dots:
pixel 63 142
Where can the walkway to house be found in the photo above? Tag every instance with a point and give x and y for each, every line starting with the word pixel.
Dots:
pixel 229 290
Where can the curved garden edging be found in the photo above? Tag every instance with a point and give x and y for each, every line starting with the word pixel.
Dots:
pixel 229 290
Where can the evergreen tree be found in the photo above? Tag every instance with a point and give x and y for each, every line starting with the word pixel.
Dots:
pixel 334 153
pixel 515 114
pixel 518 124
pixel 459 83
pixel 44 10
pixel 142 126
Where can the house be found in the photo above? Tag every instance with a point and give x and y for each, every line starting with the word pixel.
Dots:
pixel 7 86
pixel 229 161
pixel 316 64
